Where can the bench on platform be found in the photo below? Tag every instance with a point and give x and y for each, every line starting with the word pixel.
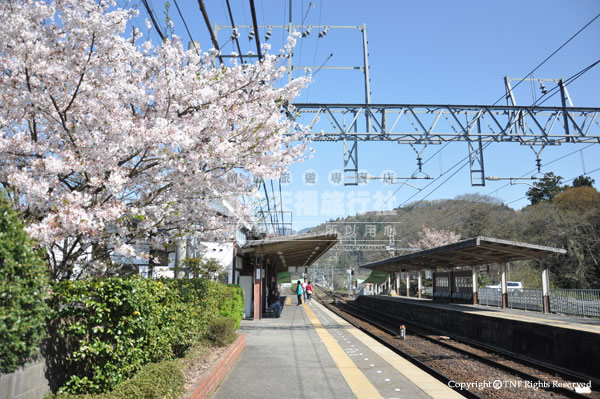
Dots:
pixel 271 312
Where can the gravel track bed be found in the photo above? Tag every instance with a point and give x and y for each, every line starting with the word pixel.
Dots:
pixel 462 368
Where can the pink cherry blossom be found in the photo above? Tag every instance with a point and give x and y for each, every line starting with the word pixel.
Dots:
pixel 107 140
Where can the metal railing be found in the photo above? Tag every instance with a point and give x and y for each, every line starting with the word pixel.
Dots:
pixel 575 302
pixel 584 303
pixel 489 297
pixel 526 299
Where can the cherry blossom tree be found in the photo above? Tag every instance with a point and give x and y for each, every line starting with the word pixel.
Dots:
pixel 431 238
pixel 108 140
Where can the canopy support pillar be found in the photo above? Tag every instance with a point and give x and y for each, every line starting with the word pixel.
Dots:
pixel 545 287
pixel 503 286
pixel 474 272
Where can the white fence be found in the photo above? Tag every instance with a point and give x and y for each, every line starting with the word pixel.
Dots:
pixel 576 302
pixel 572 302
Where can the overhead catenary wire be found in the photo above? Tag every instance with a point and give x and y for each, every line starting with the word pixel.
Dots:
pixel 281 205
pixel 235 34
pixel 550 56
pixel 157 27
pixel 455 165
pixel 185 25
pixel 275 208
pixel 571 79
pixel 255 24
pixel 268 203
pixel 210 30
pixel 546 164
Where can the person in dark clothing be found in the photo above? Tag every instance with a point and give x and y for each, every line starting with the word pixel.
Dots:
pixel 273 300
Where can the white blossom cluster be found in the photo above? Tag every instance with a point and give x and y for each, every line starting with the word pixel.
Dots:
pixel 107 140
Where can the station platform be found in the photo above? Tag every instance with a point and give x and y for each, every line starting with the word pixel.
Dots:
pixel 572 343
pixel 586 324
pixel 309 352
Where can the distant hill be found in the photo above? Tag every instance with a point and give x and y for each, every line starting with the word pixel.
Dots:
pixel 467 215
pixel 566 222
pixel 304 231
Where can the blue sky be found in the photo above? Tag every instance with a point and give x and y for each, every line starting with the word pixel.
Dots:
pixel 435 52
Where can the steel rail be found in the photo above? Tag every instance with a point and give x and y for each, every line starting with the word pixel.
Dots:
pixel 429 370
pixel 543 384
pixel 382 322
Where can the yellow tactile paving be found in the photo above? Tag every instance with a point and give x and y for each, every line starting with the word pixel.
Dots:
pixel 424 381
pixel 288 300
pixel 358 382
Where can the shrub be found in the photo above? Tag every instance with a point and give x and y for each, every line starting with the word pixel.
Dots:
pixel 231 303
pixel 154 381
pixel 109 328
pixel 198 304
pixel 23 290
pixel 221 331
pixel 163 380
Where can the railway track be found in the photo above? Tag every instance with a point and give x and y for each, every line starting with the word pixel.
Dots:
pixel 460 364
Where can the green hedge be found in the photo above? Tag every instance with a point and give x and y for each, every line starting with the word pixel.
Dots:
pixel 231 303
pixel 109 328
pixel 221 331
pixel 23 290
pixel 154 381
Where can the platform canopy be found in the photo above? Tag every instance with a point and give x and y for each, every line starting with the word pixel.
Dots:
pixel 471 252
pixel 376 277
pixel 296 250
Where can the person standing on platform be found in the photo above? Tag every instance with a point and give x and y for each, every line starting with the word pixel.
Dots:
pixel 304 284
pixel 309 291
pixel 299 292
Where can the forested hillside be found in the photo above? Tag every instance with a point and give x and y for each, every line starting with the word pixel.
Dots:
pixel 567 217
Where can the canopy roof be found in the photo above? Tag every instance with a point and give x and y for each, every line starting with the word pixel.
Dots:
pixel 472 252
pixel 296 250
pixel 376 277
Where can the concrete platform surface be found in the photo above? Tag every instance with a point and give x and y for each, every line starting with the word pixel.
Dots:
pixel 557 320
pixel 311 353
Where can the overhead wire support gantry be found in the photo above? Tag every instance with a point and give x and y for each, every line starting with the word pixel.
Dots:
pixel 350 143
pixel 426 124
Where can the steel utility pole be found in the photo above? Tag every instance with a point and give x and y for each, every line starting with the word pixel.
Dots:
pixel 350 143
